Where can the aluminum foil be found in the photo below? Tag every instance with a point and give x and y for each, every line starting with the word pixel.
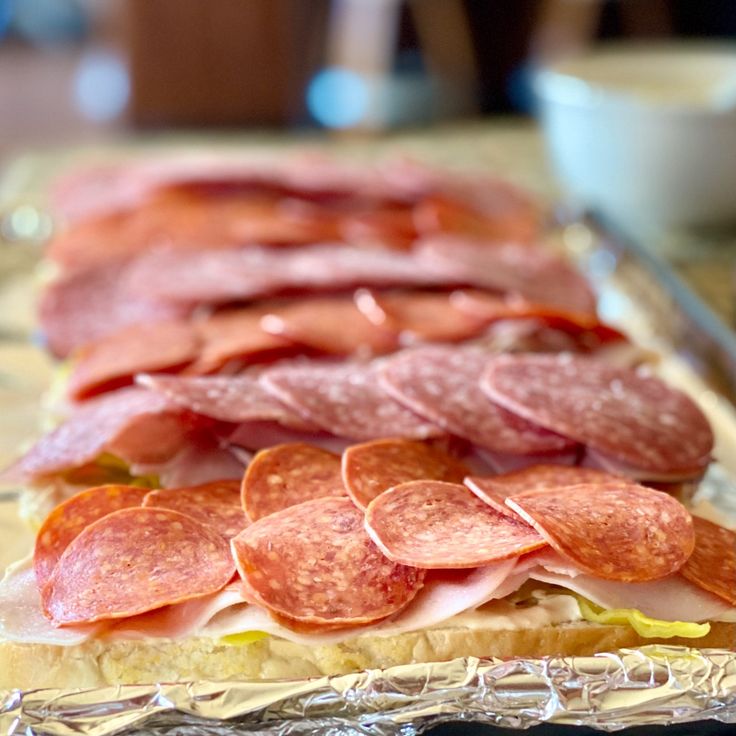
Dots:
pixel 652 685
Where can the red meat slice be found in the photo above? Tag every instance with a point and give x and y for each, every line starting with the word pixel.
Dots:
pixel 136 560
pixel 71 517
pixel 314 563
pixel 287 475
pixel 435 525
pixel 614 530
pixel 216 503
pixel 655 430
pixel 442 384
pixel 345 400
pixel 373 467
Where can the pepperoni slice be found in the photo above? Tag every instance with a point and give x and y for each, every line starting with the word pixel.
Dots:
pixel 613 530
pixel 346 400
pixel 435 525
pixel 71 517
pixel 216 504
pixel 113 361
pixel 314 563
pixel 287 475
pixel 419 316
pixel 495 489
pixel 441 384
pixel 533 272
pixel 136 560
pixel 373 467
pixel 656 430
pixel 334 326
pixel 712 565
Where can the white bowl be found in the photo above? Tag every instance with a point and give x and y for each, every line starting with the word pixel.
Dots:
pixel 645 133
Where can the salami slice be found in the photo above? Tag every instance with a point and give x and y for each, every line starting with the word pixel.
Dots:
pixel 636 418
pixel 227 398
pixel 495 489
pixel 534 273
pixel 420 316
pixel 119 420
pixel 236 334
pixel 435 525
pixel 371 468
pixel 346 400
pixel 89 304
pixel 136 560
pixel 314 563
pixel 712 565
pixel 330 325
pixel 71 517
pixel 287 475
pixel 216 504
pixel 441 384
pixel 113 361
pixel 612 530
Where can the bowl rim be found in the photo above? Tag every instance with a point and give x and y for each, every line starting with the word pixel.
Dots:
pixel 558 83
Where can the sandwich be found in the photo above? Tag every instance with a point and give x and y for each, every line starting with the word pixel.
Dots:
pixel 325 564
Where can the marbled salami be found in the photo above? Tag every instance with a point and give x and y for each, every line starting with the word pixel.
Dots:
pixel 441 384
pixel 657 431
pixel 613 530
pixel 136 560
pixel 435 525
pixel 314 563
pixel 346 400
pixel 287 475
pixel 372 467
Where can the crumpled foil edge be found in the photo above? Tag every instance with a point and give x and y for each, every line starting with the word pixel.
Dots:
pixel 652 685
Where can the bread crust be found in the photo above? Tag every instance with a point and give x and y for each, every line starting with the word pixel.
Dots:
pixel 98 663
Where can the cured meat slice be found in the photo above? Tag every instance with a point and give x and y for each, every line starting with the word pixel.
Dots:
pixel 712 565
pixel 287 475
pixel 435 525
pixel 495 489
pixel 371 468
pixel 346 400
pixel 227 398
pixel 89 304
pixel 623 413
pixel 441 384
pixel 113 361
pixel 314 563
pixel 236 334
pixel 71 517
pixel 205 276
pixel 613 530
pixel 216 504
pixel 536 274
pixel 137 425
pixel 419 316
pixel 136 560
pixel 334 326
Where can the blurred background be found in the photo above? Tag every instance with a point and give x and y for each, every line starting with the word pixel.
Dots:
pixel 74 70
